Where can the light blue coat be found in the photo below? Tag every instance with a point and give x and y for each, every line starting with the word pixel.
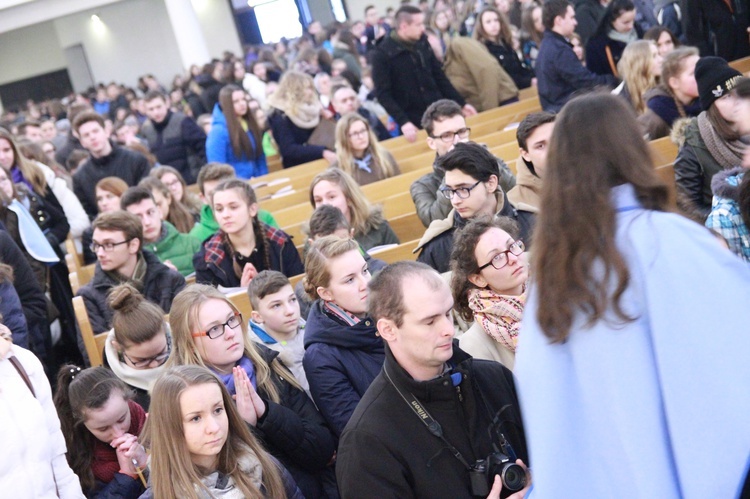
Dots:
pixel 658 407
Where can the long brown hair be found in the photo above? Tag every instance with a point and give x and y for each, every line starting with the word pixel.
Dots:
pixel 173 473
pixel 183 321
pixel 241 144
pixel 179 215
pixel 505 37
pixel 30 171
pixel 596 145
pixel 78 390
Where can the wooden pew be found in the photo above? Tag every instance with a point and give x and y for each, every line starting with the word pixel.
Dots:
pixel 741 65
pixel 524 106
pixel 403 251
pixel 663 150
pixel 94 343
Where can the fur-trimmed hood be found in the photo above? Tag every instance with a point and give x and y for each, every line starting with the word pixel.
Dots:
pixel 678 131
pixel 726 184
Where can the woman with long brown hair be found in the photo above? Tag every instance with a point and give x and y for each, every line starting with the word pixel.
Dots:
pixel 493 30
pixel 235 137
pixel 622 359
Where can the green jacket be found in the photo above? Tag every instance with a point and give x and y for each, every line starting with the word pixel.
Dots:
pixel 208 225
pixel 176 247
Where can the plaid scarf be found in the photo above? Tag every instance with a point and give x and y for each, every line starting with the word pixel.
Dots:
pixel 499 315
pixel 215 248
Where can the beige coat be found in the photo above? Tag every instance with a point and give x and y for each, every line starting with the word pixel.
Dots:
pixel 476 74
pixel 525 195
pixel 481 345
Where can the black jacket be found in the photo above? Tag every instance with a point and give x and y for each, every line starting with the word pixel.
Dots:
pixel 160 286
pixel 408 80
pixel 123 163
pixel 716 30
pixel 292 140
pixel 177 141
pixel 560 74
pixel 340 363
pixel 387 451
pixel 295 433
pixel 588 14
pixel 510 62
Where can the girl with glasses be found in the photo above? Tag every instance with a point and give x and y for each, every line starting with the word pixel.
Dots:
pixel 358 152
pixel 139 343
pixel 201 447
pixel 101 423
pixel 209 331
pixel 489 277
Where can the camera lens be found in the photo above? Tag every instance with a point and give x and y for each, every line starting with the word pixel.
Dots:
pixel 514 477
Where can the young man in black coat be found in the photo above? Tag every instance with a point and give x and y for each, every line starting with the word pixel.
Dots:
pixel 407 76
pixel 117 241
pixel 107 160
pixel 471 407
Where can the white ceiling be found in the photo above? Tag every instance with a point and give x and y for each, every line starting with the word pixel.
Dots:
pixel 15 14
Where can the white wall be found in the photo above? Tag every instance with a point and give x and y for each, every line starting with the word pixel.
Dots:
pixel 29 52
pixel 217 24
pixel 134 38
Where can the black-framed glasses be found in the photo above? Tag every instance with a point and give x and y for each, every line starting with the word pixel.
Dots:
pixel 463 133
pixel 151 362
pixel 461 192
pixel 107 246
pixel 217 330
pixel 501 259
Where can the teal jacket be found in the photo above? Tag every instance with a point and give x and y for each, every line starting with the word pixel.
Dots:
pixel 176 247
pixel 207 226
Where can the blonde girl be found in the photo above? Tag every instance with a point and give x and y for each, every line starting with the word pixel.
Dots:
pixel 640 69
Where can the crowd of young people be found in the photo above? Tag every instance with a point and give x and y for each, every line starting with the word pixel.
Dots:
pixel 314 394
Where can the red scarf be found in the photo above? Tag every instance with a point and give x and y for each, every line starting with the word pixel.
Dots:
pixel 105 464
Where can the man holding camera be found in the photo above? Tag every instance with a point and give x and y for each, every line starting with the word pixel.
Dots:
pixel 435 422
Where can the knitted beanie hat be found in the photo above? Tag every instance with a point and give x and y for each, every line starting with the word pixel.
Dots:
pixel 715 79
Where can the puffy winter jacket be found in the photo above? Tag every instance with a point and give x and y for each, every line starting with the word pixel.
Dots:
pixel 219 149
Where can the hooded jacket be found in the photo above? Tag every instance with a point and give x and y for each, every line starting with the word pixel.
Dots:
pixel 437 242
pixel 219 149
pixel 725 217
pixel 160 285
pixel 340 363
pixel 176 247
pixel 473 73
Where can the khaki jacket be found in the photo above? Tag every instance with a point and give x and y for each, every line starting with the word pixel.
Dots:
pixel 525 195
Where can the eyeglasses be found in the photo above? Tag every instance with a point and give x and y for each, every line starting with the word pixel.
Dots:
pixel 501 259
pixel 218 330
pixel 155 361
pixel 358 133
pixel 461 192
pixel 449 137
pixel 107 246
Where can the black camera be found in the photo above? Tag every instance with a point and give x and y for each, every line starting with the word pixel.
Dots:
pixel 482 475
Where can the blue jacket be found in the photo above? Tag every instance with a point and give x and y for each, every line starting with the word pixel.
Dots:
pixel 219 149
pixel 340 363
pixel 560 74
pixel 626 400
pixel 12 312
pixel 726 216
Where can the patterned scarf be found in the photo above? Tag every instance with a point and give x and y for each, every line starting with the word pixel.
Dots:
pixel 727 153
pixel 499 315
pixel 105 464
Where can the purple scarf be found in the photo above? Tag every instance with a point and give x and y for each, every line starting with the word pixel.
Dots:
pixel 228 379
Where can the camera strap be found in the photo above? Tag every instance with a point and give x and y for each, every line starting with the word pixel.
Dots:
pixel 424 416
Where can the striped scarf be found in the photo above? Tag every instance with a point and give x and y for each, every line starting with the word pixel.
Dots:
pixel 498 315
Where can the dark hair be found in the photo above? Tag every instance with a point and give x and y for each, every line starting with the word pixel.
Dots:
pixel 27 124
pixel 77 390
pixel 724 128
pixel 530 123
pixel 472 159
pixel 75 158
pixel 155 94
pixel 123 221
pixel 463 258
pixel 134 195
pixel 326 220
pixel 527 23
pixel 597 144
pixel 214 171
pixel 614 10
pixel 505 37
pixel 655 33
pixel 179 215
pixel 744 199
pixel 267 282
pixel 438 111
pixel 551 9
pixel 241 144
pixel 86 117
pixel 135 319
pixel 386 297
pixel 368 8
pixel 404 14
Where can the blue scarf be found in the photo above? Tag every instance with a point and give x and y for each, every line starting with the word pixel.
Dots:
pixel 228 379
pixel 364 163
